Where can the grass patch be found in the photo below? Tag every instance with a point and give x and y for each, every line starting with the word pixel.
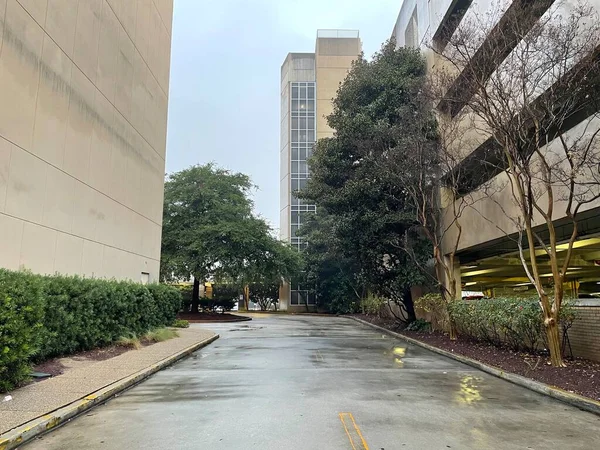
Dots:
pixel 157 335
pixel 129 342
pixel 181 324
pixel 160 335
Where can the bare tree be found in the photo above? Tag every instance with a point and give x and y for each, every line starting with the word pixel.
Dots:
pixel 531 75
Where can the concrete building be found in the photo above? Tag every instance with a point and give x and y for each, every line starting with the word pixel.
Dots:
pixel 83 118
pixel 488 257
pixel 309 82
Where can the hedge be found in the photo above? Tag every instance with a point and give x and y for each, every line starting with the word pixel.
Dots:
pixel 46 316
pixel 506 321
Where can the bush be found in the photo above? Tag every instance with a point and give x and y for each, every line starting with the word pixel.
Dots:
pixel 372 305
pixel 21 314
pixel 46 316
pixel 186 292
pixel 419 325
pixel 178 323
pixel 511 321
pixel 436 307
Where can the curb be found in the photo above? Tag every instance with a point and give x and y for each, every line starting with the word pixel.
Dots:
pixel 241 319
pixel 575 400
pixel 24 433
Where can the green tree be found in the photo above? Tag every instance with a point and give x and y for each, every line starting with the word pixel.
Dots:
pixel 372 214
pixel 210 233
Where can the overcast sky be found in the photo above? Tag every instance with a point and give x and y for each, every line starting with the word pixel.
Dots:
pixel 224 101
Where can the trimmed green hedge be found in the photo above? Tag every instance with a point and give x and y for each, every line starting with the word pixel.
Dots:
pixel 505 321
pixel 46 316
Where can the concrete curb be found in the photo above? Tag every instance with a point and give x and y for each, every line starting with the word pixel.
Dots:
pixel 18 436
pixel 575 400
pixel 241 319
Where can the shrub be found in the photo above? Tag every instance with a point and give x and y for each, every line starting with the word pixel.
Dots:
pixel 178 323
pixel 372 305
pixel 186 291
pixel 419 325
pixel 436 307
pixel 45 316
pixel 343 306
pixel 511 321
pixel 21 314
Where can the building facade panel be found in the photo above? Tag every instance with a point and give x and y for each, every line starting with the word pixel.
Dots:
pixel 83 111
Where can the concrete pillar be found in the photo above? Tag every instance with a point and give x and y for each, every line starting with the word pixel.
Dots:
pixel 284 296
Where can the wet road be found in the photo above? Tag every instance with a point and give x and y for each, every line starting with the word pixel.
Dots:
pixel 289 382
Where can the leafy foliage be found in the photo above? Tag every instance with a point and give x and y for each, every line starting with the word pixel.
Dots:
pixel 419 325
pixel 366 215
pixel 179 323
pixel 210 233
pixel 265 294
pixel 21 314
pixel 511 321
pixel 45 316
pixel 372 305
pixel 437 308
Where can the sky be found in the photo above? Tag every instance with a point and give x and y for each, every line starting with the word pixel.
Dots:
pixel 224 99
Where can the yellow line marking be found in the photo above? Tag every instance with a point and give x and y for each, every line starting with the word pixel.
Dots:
pixel 356 445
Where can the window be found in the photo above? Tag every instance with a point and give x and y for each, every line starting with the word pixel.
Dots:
pixel 303 136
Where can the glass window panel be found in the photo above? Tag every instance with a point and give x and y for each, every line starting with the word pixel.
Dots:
pixel 302 136
pixel 295 123
pixel 294 230
pixel 294 105
pixel 294 153
pixel 295 166
pixel 294 200
pixel 310 105
pixel 302 122
pixel 294 298
pixel 303 92
pixel 303 167
pixel 302 183
pixel 295 92
pixel 310 123
pixel 311 92
pixel 295 135
pixel 310 136
pixel 295 216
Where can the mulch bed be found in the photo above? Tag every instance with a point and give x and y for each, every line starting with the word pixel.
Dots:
pixel 581 376
pixel 55 367
pixel 211 317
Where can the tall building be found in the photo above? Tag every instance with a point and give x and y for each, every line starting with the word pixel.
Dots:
pixel 83 117
pixel 309 82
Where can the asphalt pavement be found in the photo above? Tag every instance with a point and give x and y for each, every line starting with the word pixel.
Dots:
pixel 305 382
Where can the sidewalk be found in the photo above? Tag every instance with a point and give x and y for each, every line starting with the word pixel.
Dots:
pixel 81 380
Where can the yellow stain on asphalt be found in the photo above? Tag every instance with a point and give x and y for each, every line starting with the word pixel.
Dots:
pixel 357 441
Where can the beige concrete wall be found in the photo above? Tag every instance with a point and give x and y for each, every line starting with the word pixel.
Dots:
pixel 333 59
pixel 83 117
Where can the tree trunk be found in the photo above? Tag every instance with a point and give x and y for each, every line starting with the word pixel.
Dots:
pixel 410 306
pixel 553 336
pixel 196 295
pixel 453 332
